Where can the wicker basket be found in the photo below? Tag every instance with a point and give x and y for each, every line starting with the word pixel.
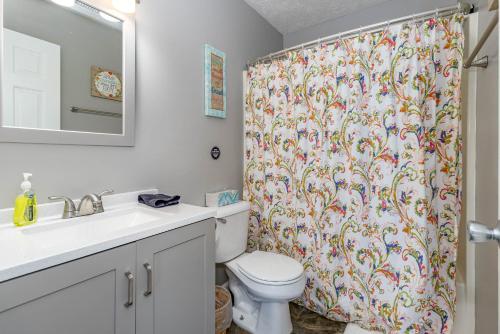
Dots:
pixel 223 310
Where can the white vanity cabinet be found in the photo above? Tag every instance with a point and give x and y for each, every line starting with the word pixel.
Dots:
pixel 113 292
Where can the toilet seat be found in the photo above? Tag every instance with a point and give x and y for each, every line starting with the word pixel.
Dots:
pixel 270 268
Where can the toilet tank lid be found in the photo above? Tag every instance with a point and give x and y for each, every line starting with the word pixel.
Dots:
pixel 232 209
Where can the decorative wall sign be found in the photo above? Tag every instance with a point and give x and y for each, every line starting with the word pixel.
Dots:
pixel 106 84
pixel 215 82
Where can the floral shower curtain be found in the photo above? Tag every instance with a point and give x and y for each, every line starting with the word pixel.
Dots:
pixel 353 167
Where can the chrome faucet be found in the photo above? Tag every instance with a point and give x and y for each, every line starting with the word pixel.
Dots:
pixel 69 206
pixel 89 204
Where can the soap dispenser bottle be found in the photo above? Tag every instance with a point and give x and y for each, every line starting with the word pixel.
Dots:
pixel 25 210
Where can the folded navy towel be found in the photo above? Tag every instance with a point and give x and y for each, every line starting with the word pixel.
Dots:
pixel 158 200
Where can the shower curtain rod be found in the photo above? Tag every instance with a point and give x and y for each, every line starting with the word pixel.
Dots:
pixel 482 62
pixel 465 8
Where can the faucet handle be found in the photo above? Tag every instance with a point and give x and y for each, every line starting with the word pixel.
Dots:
pixel 69 206
pixel 99 208
pixel 104 193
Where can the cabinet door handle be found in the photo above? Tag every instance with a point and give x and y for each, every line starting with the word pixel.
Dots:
pixel 149 271
pixel 130 278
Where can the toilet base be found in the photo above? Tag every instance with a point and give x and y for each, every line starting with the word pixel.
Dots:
pixel 258 317
pixel 273 318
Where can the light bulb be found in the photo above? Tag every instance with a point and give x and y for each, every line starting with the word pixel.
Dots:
pixel 109 17
pixel 125 6
pixel 65 3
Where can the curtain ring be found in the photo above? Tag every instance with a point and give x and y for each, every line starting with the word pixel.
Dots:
pixel 436 13
pixel 387 26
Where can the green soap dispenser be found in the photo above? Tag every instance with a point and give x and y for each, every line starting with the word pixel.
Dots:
pixel 25 210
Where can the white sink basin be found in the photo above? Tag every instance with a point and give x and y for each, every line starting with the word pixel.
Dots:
pixel 98 224
pixel 93 228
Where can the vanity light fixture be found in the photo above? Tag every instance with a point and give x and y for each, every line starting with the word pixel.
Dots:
pixel 65 3
pixel 108 17
pixel 125 6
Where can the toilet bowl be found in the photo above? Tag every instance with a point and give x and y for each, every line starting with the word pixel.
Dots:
pixel 262 283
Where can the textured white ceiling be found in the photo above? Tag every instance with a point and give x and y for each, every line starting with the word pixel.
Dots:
pixel 292 15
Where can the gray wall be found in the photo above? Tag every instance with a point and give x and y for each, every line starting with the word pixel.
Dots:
pixel 84 42
pixel 487 311
pixel 385 11
pixel 173 135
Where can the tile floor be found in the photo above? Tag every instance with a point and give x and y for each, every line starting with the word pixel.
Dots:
pixel 305 322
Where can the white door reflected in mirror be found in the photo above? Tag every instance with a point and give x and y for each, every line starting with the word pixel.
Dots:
pixel 31 83
pixel 51 52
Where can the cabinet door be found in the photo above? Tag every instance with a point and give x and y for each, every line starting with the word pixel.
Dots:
pixel 86 296
pixel 182 281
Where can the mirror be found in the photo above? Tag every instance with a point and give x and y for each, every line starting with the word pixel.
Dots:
pixel 65 74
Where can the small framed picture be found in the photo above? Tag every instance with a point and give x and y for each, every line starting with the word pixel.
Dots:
pixel 106 84
pixel 215 82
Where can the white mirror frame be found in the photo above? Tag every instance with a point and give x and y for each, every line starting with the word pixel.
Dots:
pixel 64 137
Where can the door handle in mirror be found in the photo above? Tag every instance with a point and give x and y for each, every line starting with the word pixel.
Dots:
pixel 479 233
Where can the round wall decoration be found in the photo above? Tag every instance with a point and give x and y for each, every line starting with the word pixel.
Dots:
pixel 106 84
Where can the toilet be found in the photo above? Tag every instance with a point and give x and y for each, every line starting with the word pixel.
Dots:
pixel 262 283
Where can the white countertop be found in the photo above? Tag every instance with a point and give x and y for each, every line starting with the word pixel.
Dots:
pixel 54 241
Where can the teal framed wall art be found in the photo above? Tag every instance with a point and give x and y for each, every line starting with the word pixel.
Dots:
pixel 215 82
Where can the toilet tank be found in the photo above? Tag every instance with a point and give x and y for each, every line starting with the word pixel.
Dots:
pixel 231 231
